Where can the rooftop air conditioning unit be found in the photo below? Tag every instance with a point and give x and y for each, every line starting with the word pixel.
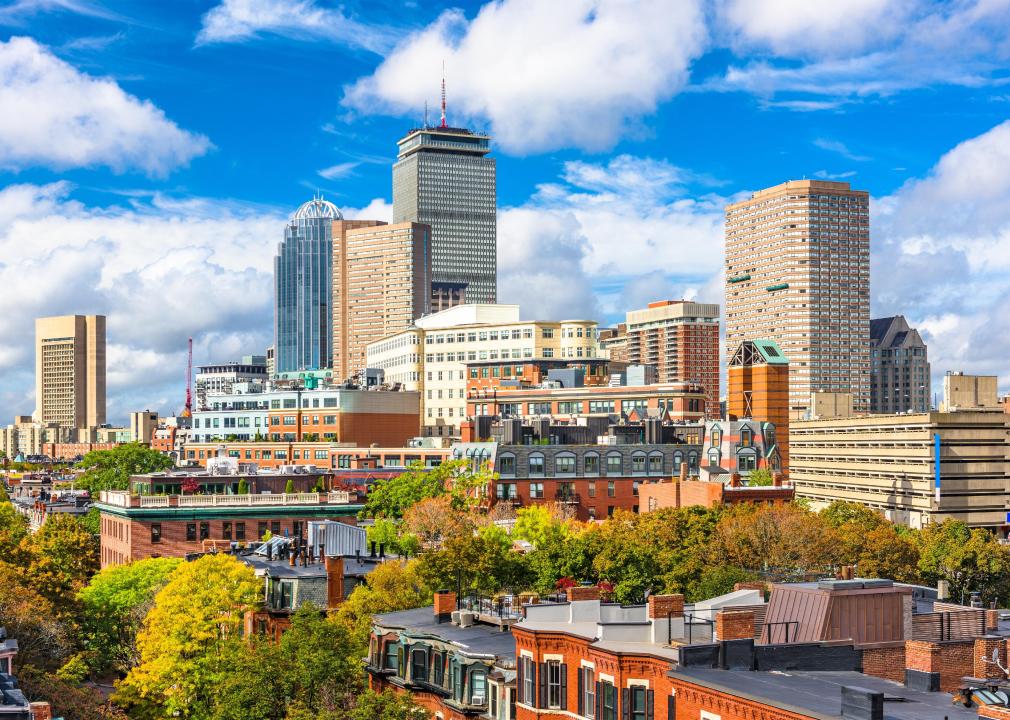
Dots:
pixel 467 619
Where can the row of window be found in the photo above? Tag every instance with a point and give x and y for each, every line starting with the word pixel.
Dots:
pixel 227 531
pixel 614 463
pixel 545 686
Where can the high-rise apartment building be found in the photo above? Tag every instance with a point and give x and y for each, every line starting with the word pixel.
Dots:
pixel 899 380
pixel 681 340
pixel 70 370
pixel 798 273
pixel 381 284
pixel 444 179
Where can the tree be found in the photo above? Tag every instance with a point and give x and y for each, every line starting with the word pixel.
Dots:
pixel 114 604
pixel 13 529
pixel 183 641
pixel 392 497
pixel 321 660
pixel 45 636
pixel 970 560
pixel 67 699
pixel 387 705
pixel 243 486
pixel 484 562
pixel 289 487
pixel 760 478
pixel 718 580
pixel 64 556
pixel 111 469
pixel 391 535
pixel 390 586
pixel 434 519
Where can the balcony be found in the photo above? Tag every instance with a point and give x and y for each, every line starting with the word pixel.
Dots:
pixel 122 498
pixel 568 498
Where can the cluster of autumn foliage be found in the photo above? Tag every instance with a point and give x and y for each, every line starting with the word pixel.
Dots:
pixel 165 635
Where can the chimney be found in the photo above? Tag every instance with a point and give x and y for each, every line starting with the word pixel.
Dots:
pixel 382 551
pixel 372 545
pixel 583 592
pixel 734 625
pixel 292 558
pixel 734 480
pixel 334 581
pixel 445 603
pixel 778 480
pixel 662 606
pixel 41 710
pixel 683 472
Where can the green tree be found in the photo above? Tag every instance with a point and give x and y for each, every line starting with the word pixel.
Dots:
pixel 243 486
pixel 970 560
pixel 64 556
pixel 484 562
pixel 184 638
pixel 113 606
pixel 394 537
pixel 44 635
pixel 390 498
pixel 111 469
pixel 718 580
pixel 387 705
pixel 322 661
pixel 13 529
pixel 289 486
pixel 760 478
pixel 389 587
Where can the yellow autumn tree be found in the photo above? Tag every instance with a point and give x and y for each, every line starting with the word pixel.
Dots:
pixel 184 638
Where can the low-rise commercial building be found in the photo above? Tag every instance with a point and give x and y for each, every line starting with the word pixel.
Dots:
pixel 135 527
pixel 273 455
pixel 432 355
pixel 917 469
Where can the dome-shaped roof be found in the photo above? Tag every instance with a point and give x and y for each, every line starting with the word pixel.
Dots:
pixel 317 208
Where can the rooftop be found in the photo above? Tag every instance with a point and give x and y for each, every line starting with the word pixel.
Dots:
pixel 819 694
pixel 478 639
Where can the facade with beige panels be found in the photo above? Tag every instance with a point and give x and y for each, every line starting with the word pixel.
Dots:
pixel 917 469
pixel 381 284
pixel 798 273
pixel 432 355
pixel 70 370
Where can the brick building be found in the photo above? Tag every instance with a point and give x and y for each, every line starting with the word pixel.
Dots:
pixel 135 527
pixel 758 382
pixel 683 492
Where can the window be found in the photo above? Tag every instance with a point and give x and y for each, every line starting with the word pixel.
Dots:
pixel 240 531
pixel 493 709
pixel 638 463
pixel 438 668
pixel 692 460
pixel 587 692
pixel 592 488
pixel 569 408
pixel 155 532
pixel 608 703
pixel 601 406
pixel 539 408
pixel 716 436
pixel 191 532
pixel 505 491
pixel 746 460
pixel 656 463
pixel 639 702
pixel 555 684
pixel 678 460
pixel 204 530
pixel 611 489
pixel 226 530
pixel 746 436
pixel 506 465
pixel 419 665
pixel 392 659
pixel 536 490
pixel 478 687
pixel 615 464
pixel 591 464
pixel 275 527
pixel 261 529
pixel 564 464
pixel 527 682
pixel 714 456
pixel 536 465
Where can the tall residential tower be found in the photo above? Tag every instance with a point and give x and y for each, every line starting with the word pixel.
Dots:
pixel 444 179
pixel 900 380
pixel 70 370
pixel 798 273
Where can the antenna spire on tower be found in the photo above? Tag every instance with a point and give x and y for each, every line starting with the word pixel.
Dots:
pixel 443 95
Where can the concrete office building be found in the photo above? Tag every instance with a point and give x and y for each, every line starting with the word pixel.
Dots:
pixel 221 378
pixel 432 355
pixel 444 179
pixel 381 284
pixel 917 469
pixel 899 380
pixel 70 370
pixel 798 273
pixel 969 392
pixel 681 340
pixel 142 426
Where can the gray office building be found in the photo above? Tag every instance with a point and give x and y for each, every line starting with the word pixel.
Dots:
pixel 444 179
pixel 303 282
pixel 899 378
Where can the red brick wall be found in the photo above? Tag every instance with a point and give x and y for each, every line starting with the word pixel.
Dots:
pixel 124 540
pixel 952 659
pixel 885 662
pixel 624 494
pixel 692 699
pixel 734 624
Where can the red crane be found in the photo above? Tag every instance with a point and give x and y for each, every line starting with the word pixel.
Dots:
pixel 188 411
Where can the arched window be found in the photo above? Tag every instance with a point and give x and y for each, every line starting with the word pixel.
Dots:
pixel 591 463
pixel 714 456
pixel 769 434
pixel 506 464
pixel 536 465
pixel 638 462
pixel 615 464
pixel 656 463
pixel 746 460
pixel 678 460
pixel 564 464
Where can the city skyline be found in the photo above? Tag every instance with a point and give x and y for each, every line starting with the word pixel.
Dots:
pixel 611 188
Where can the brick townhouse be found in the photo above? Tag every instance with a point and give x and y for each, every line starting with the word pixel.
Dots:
pixel 868 649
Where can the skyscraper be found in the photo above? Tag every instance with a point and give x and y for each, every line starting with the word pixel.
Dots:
pixel 681 339
pixel 900 379
pixel 444 179
pixel 798 273
pixel 381 284
pixel 70 370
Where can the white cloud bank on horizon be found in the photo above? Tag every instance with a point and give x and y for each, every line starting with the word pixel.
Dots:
pixel 66 119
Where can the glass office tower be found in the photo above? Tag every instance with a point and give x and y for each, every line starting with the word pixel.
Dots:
pixel 303 282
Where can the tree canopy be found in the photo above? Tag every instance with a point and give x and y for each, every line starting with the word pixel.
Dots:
pixel 111 469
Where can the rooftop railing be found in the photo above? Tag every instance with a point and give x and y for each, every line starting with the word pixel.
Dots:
pixel 122 498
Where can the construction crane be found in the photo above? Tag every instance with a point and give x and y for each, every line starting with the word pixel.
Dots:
pixel 188 411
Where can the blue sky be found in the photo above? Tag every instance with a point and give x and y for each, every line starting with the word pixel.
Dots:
pixel 150 151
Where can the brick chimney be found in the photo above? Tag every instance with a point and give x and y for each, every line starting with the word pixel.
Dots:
pixel 991 621
pixel 661 606
pixel 583 592
pixel 41 710
pixel 778 480
pixel 445 603
pixel 982 653
pixel 734 480
pixel 734 624
pixel 683 472
pixel 334 581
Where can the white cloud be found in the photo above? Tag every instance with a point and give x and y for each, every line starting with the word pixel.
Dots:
pixel 160 271
pixel 58 117
pixel 840 148
pixel 942 251
pixel 240 20
pixel 340 170
pixel 600 237
pixel 543 74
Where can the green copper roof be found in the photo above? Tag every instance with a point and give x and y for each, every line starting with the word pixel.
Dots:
pixel 771 352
